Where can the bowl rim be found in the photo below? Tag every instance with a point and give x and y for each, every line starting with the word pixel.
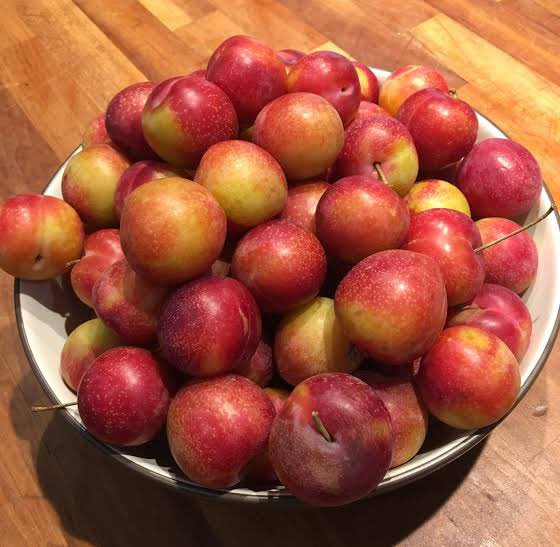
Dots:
pixel 408 477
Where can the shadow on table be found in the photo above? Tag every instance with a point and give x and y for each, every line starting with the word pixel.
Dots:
pixel 101 501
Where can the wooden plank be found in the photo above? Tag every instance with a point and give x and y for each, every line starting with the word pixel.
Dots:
pixel 145 40
pixel 168 12
pixel 519 100
pixel 521 29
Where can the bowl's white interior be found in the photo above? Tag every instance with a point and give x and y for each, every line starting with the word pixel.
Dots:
pixel 46 306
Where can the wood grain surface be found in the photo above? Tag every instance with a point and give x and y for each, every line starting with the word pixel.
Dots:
pixel 60 63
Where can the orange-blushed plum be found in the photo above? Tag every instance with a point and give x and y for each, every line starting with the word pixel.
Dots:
pixel 101 250
pixel 434 223
pixel 469 378
pixel 367 108
pixel 409 415
pixel 393 305
pixel 186 115
pixel 379 218
pixel 96 132
pixel 260 367
pixel 436 194
pixel 209 326
pixel 216 426
pixel 498 310
pixel 341 454
pixel 82 347
pixel 302 201
pixel 283 265
pixel 124 396
pixel 302 131
pixel 443 127
pixel 139 173
pixel 123 120
pixel 40 235
pixel 128 304
pixel 260 470
pixel 310 340
pixel 330 75
pixel 246 181
pixel 172 230
pixel 290 57
pixel 512 263
pixel 369 86
pixel 89 182
pixel 250 73
pixel 462 269
pixel 405 81
pixel 500 178
pixel 383 142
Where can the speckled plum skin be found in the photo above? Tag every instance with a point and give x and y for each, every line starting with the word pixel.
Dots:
pixel 310 340
pixel 82 347
pixel 216 426
pixel 249 72
pixel 172 230
pixel 512 263
pixel 443 127
pixel 462 269
pixel 209 326
pixel 124 396
pixel 409 415
pixel 39 236
pixel 404 82
pixel 379 218
pixel 499 310
pixel 260 470
pixel 96 132
pixel 379 139
pixel 89 182
pixel 186 115
pixel 260 367
pixel 123 120
pixel 326 473
pixel 369 85
pixel 247 182
pixel 330 75
pixel 290 57
pixel 302 131
pixel 393 305
pixel 500 178
pixel 443 222
pixel 369 109
pixel 436 194
pixel 137 174
pixel 282 265
pixel 101 250
pixel 469 378
pixel 301 204
pixel 128 304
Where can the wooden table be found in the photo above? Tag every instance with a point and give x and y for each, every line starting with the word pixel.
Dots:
pixel 60 63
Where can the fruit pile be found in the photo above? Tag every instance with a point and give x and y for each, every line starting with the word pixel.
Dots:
pixel 284 269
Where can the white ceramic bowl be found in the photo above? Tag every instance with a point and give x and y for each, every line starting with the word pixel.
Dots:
pixel 47 311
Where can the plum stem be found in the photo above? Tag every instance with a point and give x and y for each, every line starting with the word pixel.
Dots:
pixel 453 93
pixel 380 173
pixel 52 407
pixel 322 429
pixel 515 232
pixel 72 263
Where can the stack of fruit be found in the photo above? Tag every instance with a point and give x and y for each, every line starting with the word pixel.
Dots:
pixel 295 311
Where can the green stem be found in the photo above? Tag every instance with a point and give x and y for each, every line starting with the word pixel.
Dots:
pixel 515 232
pixel 321 427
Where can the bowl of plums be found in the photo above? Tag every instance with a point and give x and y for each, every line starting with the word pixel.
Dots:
pixel 287 277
